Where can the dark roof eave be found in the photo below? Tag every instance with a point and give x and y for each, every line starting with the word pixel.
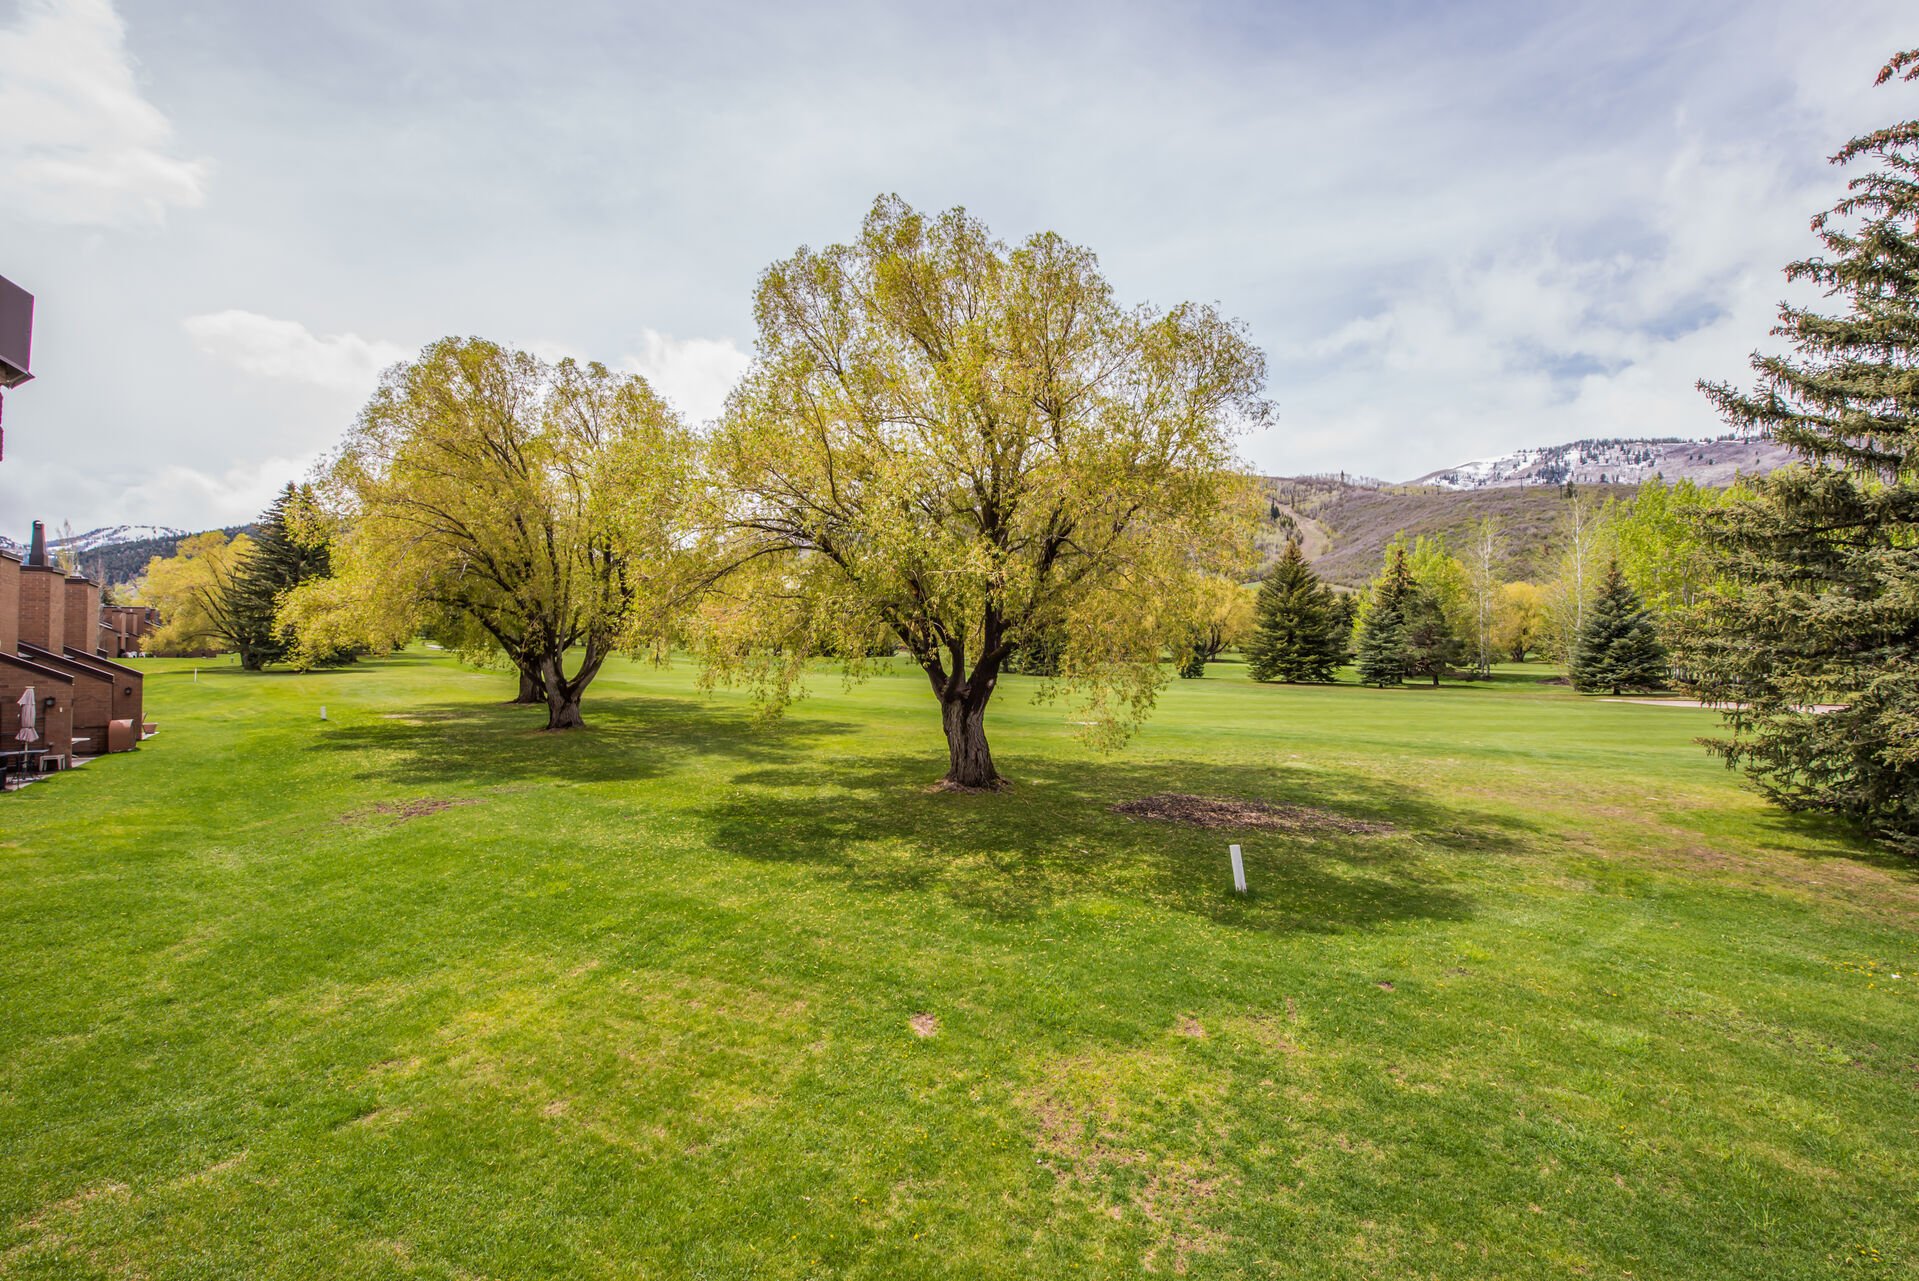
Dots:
pixel 44 672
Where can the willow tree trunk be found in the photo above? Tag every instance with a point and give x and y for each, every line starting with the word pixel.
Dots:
pixel 561 696
pixel 971 760
pixel 529 689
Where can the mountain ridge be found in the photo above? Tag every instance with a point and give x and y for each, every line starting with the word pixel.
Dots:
pixel 98 539
pixel 1619 460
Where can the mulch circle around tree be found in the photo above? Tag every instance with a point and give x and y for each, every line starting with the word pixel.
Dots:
pixel 1233 811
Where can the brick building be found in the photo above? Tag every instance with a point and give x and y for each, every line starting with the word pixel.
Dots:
pixel 124 629
pixel 54 640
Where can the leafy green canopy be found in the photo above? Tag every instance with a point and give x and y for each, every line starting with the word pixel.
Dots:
pixel 1296 626
pixel 1222 616
pixel 1618 649
pixel 195 591
pixel 1659 541
pixel 543 505
pixel 974 445
pixel 1821 602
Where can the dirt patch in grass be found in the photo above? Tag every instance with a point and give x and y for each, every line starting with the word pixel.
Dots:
pixel 1233 811
pixel 401 811
pixel 1266 1033
pixel 1111 1129
pixel 79 1201
pixel 660 1063
pixel 923 1025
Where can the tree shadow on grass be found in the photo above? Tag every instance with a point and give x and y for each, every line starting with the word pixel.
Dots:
pixel 788 792
pixel 1011 855
pixel 1820 837
pixel 628 738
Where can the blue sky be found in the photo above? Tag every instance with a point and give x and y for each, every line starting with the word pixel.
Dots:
pixel 1455 229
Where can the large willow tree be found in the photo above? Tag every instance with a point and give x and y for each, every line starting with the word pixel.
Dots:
pixel 544 506
pixel 1821 599
pixel 974 446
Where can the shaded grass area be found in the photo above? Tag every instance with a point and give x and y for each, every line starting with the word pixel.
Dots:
pixel 422 991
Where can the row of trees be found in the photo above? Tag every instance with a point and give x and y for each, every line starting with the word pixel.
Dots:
pixel 1430 612
pixel 968 449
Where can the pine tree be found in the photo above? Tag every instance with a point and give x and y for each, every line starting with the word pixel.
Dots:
pixel 1433 644
pixel 1383 655
pixel 281 559
pixel 1822 602
pixel 1345 610
pixel 1295 624
pixel 1619 648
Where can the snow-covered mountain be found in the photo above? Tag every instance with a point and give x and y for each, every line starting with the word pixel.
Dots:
pixel 113 535
pixel 1618 462
pixel 95 539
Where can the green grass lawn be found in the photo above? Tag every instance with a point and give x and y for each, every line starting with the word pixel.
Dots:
pixel 639 1003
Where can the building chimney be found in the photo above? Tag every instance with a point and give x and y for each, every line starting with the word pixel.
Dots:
pixel 43 597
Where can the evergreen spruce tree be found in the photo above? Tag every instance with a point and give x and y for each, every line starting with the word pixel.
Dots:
pixel 1345 610
pixel 1618 648
pixel 1433 644
pixel 1821 605
pixel 1295 624
pixel 1383 655
pixel 282 558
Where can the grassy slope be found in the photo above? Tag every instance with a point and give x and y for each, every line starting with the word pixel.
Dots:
pixel 641 1009
pixel 1363 521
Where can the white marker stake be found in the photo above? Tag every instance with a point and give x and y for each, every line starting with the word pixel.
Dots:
pixel 196 676
pixel 1239 870
pixel 323 711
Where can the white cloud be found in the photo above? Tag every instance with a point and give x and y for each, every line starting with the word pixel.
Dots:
pixel 1448 243
pixel 286 349
pixel 1533 338
pixel 694 374
pixel 78 142
pixel 228 497
pixel 198 498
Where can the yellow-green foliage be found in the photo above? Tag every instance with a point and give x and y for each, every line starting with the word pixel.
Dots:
pixel 193 591
pixel 1659 538
pixel 488 492
pixel 976 446
pixel 1519 609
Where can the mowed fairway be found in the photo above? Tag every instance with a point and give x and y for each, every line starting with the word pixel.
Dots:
pixel 639 1001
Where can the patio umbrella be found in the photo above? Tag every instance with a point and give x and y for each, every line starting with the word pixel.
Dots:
pixel 29 707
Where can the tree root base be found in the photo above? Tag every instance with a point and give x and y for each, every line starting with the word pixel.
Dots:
pixel 948 785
